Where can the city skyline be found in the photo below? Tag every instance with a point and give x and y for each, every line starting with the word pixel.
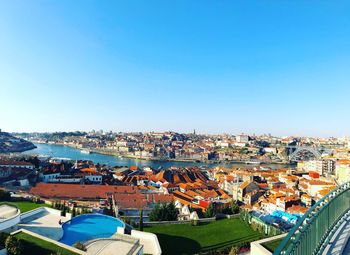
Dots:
pixel 218 68
pixel 102 131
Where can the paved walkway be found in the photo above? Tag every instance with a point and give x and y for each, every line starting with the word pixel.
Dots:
pixel 110 246
pixel 339 244
pixel 45 224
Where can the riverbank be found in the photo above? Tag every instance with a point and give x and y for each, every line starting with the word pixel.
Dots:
pixel 20 149
pixel 73 153
pixel 11 144
pixel 155 159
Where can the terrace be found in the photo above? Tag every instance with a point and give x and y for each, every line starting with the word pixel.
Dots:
pixel 187 239
pixel 43 221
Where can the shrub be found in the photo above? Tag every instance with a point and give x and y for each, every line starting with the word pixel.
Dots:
pixel 3 237
pixel 210 212
pixel 194 223
pixel 133 224
pixel 141 220
pixel 80 246
pixel 163 212
pixel 13 246
pixel 232 208
pixel 63 212
pixel 234 251
pixel 4 195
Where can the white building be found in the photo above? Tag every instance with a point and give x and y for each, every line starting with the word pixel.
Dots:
pixel 242 138
pixel 323 167
pixel 17 164
pixel 48 177
pixel 97 179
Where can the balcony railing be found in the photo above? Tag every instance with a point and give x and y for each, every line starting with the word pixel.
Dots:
pixel 314 230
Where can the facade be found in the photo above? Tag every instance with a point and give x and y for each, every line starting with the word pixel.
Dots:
pixel 247 188
pixel 242 138
pixel 323 167
pixel 342 171
pixel 16 164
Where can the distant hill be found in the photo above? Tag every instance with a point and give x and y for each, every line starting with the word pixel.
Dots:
pixel 9 143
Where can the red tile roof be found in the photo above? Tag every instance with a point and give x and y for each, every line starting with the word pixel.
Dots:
pixel 75 191
pixel 16 163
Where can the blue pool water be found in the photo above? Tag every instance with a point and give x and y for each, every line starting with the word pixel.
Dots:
pixel 89 226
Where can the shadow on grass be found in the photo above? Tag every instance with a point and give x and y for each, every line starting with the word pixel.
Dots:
pixel 230 243
pixel 177 245
pixel 30 249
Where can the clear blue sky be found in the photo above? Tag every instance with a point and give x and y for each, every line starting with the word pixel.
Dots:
pixel 280 67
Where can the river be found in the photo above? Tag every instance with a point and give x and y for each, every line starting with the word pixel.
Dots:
pixel 62 151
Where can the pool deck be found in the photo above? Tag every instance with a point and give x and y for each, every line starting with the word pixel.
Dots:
pixel 45 224
pixel 124 244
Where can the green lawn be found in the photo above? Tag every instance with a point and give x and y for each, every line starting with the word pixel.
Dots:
pixel 25 206
pixel 272 245
pixel 38 246
pixel 186 239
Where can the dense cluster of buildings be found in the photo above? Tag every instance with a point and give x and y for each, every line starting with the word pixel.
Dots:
pixel 277 197
pixel 194 147
pixel 129 188
pixel 260 189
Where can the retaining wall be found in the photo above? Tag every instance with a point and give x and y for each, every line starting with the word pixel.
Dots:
pixel 149 241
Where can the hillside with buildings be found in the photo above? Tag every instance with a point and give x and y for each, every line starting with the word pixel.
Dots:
pixel 9 143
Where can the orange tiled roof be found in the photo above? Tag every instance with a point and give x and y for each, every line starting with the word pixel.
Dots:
pixel 76 191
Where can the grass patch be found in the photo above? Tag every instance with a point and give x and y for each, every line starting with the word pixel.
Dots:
pixel 25 206
pixel 272 245
pixel 186 239
pixel 34 245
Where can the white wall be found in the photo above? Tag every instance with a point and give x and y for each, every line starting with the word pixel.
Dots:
pixel 149 241
pixel 9 223
pixel 256 247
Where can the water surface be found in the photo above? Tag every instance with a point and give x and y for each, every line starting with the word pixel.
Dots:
pixel 62 151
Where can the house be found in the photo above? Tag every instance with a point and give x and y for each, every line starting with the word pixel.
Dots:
pixel 297 209
pixel 306 200
pixel 184 213
pixel 283 203
pixel 245 188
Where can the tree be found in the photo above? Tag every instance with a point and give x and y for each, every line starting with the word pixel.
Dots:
pixel 63 213
pixel 210 212
pixel 13 246
pixel 171 211
pixel 163 212
pixel 155 213
pixel 73 211
pixel 141 220
pixel 35 161
pixel 232 208
pixel 4 195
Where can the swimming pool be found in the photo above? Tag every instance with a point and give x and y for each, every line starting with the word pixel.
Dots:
pixel 89 226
